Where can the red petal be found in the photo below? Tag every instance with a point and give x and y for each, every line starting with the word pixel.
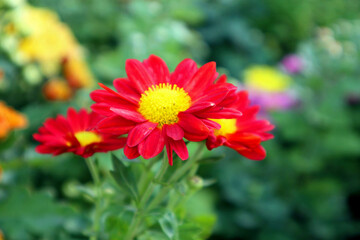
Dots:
pixel 211 124
pixel 102 109
pixel 243 100
pixel 125 97
pixel 169 152
pixel 214 141
pixel 139 133
pixel 222 79
pixel 153 144
pixel 174 131
pixel 110 144
pixel 201 80
pixel 128 114
pixel 195 130
pixel 257 153
pixel 200 106
pixel 138 75
pixel 158 69
pixel 126 89
pixel 184 72
pixel 112 99
pixel 220 113
pixel 239 140
pixel 216 96
pixel 51 150
pixel 131 152
pixel 180 149
pixel 116 125
pixel 73 118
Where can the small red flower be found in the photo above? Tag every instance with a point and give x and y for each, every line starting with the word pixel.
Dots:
pixel 243 134
pixel 76 134
pixel 157 108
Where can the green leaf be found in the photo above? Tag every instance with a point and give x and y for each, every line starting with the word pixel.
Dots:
pixel 153 235
pixel 24 212
pixel 211 159
pixel 169 225
pixel 124 178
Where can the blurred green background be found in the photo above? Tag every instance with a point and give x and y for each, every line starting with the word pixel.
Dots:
pixel 308 187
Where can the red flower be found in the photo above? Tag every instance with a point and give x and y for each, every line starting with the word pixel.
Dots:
pixel 76 134
pixel 245 133
pixel 157 108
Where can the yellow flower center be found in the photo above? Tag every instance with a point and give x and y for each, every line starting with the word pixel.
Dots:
pixel 86 138
pixel 162 103
pixel 228 126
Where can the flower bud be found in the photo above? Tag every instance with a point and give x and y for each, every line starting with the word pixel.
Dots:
pixel 196 182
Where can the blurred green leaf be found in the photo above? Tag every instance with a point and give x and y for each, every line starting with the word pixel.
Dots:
pixel 124 178
pixel 169 225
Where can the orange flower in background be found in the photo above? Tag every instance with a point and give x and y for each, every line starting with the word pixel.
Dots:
pixel 243 134
pixel 10 119
pixel 57 90
pixel 77 73
pixel 75 133
pixel 1 235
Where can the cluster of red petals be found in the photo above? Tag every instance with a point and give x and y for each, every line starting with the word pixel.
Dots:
pixel 58 135
pixel 250 132
pixel 211 98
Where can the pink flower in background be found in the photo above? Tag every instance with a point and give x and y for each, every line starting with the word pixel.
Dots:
pixel 292 64
pixel 273 101
pixel 269 88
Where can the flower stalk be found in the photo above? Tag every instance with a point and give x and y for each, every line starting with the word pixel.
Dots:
pixel 98 196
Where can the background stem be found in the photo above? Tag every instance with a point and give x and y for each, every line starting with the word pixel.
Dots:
pixel 95 176
pixel 138 215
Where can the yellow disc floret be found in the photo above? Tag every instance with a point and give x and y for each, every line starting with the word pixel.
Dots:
pixel 86 138
pixel 162 103
pixel 228 126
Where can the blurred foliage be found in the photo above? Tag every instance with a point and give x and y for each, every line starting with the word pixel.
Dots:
pixel 307 188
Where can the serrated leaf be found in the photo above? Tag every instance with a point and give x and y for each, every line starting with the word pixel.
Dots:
pixel 124 178
pixel 169 225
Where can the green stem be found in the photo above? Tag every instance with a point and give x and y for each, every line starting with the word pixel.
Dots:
pixel 176 176
pixel 95 176
pixel 138 215
pixel 189 163
pixel 145 176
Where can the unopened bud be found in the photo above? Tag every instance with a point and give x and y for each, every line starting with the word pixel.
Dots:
pixel 196 182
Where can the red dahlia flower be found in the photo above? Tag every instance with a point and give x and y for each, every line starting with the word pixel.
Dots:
pixel 157 108
pixel 245 133
pixel 76 134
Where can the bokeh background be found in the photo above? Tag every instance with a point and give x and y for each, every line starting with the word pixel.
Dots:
pixel 300 60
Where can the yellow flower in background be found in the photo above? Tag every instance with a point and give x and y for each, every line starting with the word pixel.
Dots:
pixel 1 234
pixel 10 119
pixel 47 39
pixel 265 78
pixel 77 73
